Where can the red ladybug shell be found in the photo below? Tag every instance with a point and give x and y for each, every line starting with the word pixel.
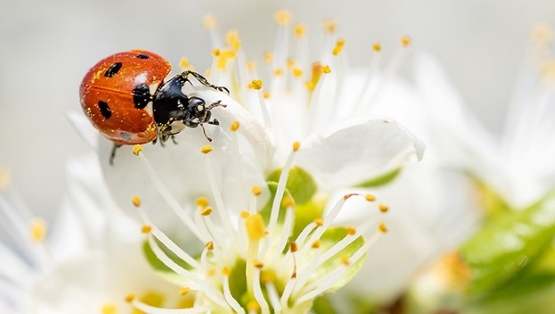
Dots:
pixel 108 95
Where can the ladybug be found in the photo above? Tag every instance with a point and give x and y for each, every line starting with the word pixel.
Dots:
pixel 127 100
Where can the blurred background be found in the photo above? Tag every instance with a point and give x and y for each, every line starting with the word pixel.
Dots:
pixel 47 46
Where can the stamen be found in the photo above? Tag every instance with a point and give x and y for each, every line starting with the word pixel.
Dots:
pixel 323 284
pixel 137 149
pixel 136 201
pixel 205 149
pixel 234 126
pixel 202 202
pixel 274 212
pixel 209 22
pixel 251 66
pixel 184 64
pixel 382 227
pixel 183 291
pixel 255 84
pixel 338 48
pixel 129 298
pixel 167 242
pixel 274 297
pixel 315 76
pixel 258 295
pixel 278 72
pixel 4 178
pixel 38 230
pixel 316 244
pixel 266 95
pixel 268 57
pixel 306 231
pixel 370 197
pixel 383 208
pixel 229 297
pixel 376 47
pixel 283 17
pixel 297 72
pixel 206 211
pixel 326 69
pixel 299 31
pixel 406 41
pixel 145 308
pixel 256 190
pixel 330 26
pixel 146 229
pixel 170 200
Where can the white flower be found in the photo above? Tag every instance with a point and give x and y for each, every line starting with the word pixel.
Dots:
pixel 258 198
pixel 518 163
pixel 83 263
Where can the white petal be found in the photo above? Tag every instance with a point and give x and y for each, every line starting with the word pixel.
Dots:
pixel 84 128
pixel 182 167
pixel 359 152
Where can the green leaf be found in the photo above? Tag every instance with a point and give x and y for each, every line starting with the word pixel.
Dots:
pixel 300 184
pixel 509 244
pixel 381 180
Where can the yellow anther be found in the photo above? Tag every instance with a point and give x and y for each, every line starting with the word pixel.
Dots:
pixel 406 41
pixel 382 228
pixel 315 76
pixel 136 201
pixel 376 47
pixel 129 298
pixel 226 271
pixel 299 31
pixel 338 48
pixel 288 201
pixel 290 63
pixel 297 72
pixel 319 221
pixel 293 247
pixel 137 149
pixel 38 230
pixel 202 201
pixel 184 63
pixel 256 190
pixel 216 52
pixel 326 69
pixel 205 149
pixel 109 309
pixel 233 40
pixel 4 178
pixel 278 72
pixel 345 260
pixel 370 197
pixel 283 17
pixel 206 211
pixel 255 84
pixel 330 26
pixel 251 66
pixel 209 245
pixel 296 146
pixel 266 95
pixel 209 22
pixel 542 34
pixel 268 57
pixel 316 245
pixel 258 264
pixel 384 208
pixel 244 214
pixel 207 73
pixel 255 227
pixel 146 229
pixel 351 230
pixel 253 306
pixel 234 126
pixel 212 272
pixel 184 291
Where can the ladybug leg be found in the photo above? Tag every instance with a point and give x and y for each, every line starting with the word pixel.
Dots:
pixel 113 153
pixel 216 104
pixel 204 81
pixel 204 132
pixel 214 122
pixel 173 139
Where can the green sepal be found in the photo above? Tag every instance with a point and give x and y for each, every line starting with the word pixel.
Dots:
pixel 380 180
pixel 508 245
pixel 493 204
pixel 323 305
pixel 162 270
pixel 300 184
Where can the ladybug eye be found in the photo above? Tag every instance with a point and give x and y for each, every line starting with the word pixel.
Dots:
pixel 200 107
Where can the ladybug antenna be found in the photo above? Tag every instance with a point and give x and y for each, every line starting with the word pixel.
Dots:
pixel 204 132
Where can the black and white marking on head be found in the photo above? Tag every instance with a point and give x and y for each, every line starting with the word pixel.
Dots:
pixel 142 56
pixel 105 110
pixel 113 69
pixel 141 95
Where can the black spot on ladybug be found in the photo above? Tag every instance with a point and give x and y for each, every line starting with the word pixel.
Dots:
pixel 141 95
pixel 105 109
pixel 142 56
pixel 113 69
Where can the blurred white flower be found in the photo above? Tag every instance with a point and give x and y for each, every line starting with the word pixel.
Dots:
pixel 86 262
pixel 518 163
